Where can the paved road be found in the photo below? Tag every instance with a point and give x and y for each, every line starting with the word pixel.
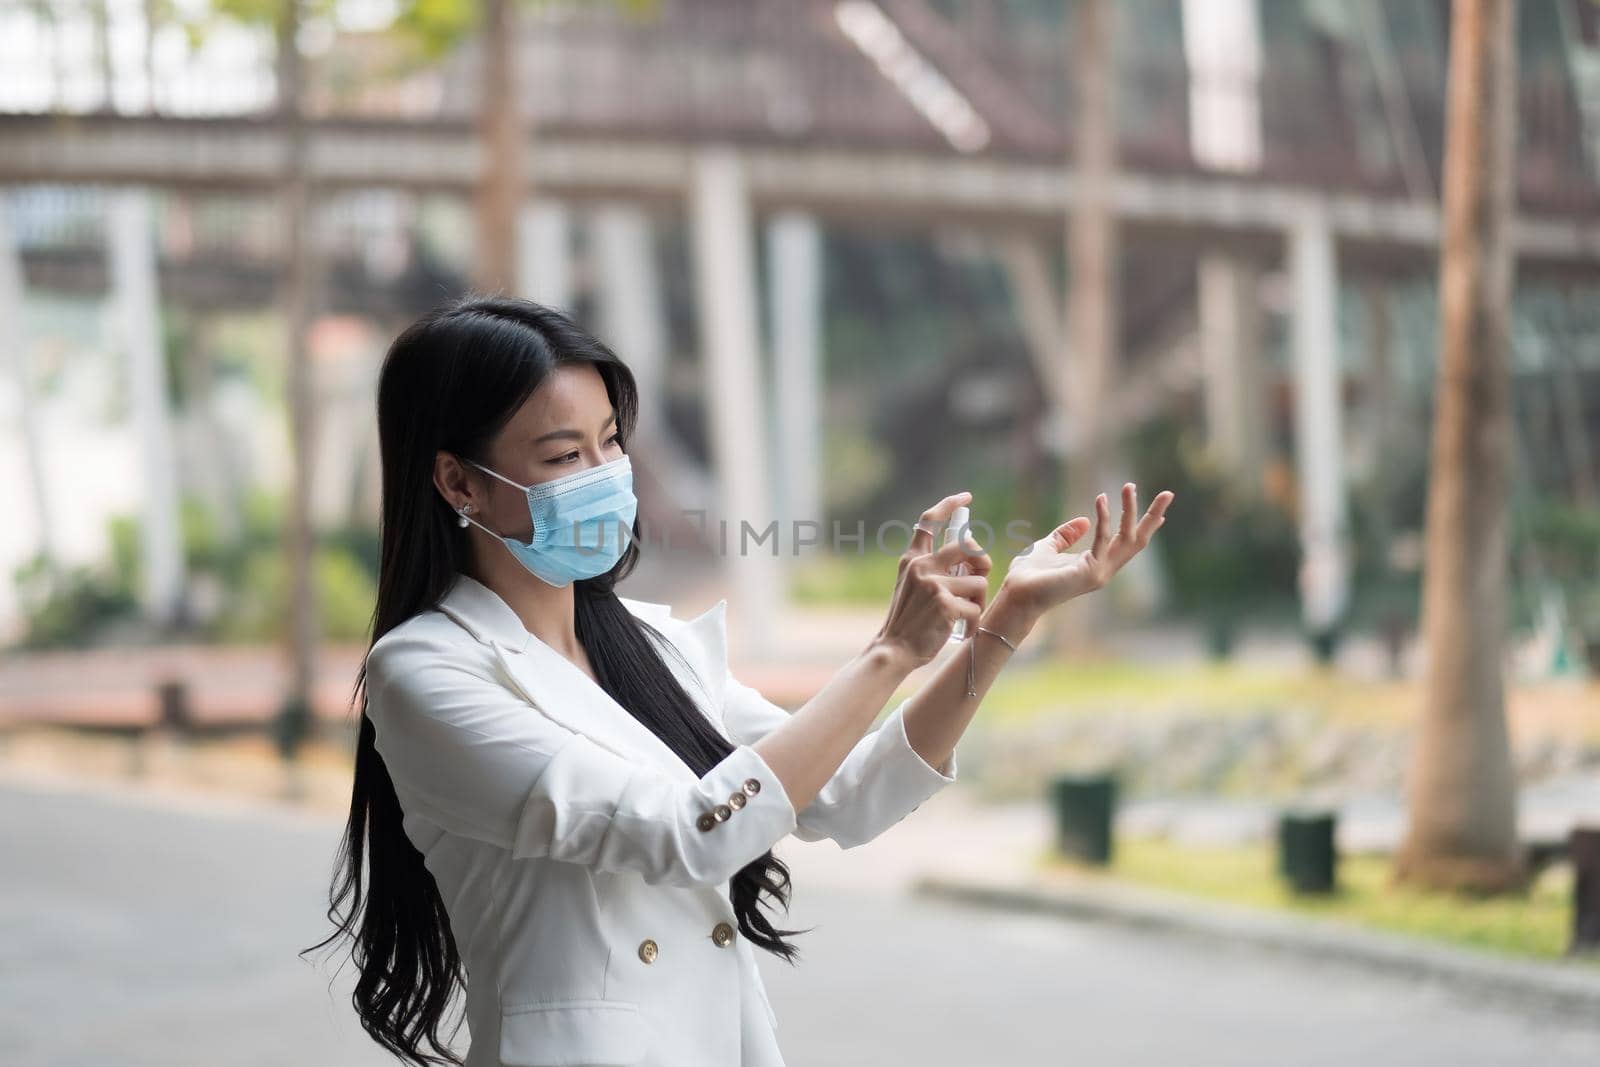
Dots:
pixel 134 932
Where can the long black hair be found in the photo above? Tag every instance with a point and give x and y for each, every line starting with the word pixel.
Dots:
pixel 450 381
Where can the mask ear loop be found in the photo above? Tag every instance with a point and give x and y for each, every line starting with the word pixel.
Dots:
pixel 462 510
pixel 465 519
pixel 502 477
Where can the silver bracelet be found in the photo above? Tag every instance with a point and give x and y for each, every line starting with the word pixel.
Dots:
pixel 1001 636
pixel 972 656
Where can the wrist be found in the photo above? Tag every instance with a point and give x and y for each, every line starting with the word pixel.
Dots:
pixel 890 657
pixel 1006 616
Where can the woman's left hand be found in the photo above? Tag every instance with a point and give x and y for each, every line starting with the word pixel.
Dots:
pixel 1045 575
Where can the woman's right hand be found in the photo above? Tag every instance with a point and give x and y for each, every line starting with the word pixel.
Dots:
pixel 927 599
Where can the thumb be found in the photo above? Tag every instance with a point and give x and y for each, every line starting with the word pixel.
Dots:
pixel 1064 536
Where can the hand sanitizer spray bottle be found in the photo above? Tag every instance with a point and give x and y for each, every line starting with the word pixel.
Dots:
pixel 960 519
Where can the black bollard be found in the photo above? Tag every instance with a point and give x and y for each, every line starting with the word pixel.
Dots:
pixel 1308 856
pixel 172 696
pixel 1084 807
pixel 1585 851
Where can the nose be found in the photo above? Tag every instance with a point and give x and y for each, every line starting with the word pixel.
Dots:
pixel 603 452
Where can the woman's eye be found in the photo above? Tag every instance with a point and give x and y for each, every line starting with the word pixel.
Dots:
pixel 616 438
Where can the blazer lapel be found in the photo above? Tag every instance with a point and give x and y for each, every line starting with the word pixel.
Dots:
pixel 555 685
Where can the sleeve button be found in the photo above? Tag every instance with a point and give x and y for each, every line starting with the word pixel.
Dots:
pixel 752 786
pixel 736 801
pixel 706 821
pixel 722 812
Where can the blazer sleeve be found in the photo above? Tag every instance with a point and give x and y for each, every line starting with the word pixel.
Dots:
pixel 882 778
pixel 469 755
pixel 881 781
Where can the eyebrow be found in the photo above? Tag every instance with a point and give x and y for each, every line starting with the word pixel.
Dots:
pixel 566 432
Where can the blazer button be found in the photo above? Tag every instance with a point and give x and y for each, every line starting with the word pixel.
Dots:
pixel 648 950
pixel 722 934
pixel 736 801
pixel 706 821
pixel 722 812
pixel 751 787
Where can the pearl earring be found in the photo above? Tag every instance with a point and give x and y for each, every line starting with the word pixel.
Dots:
pixel 462 512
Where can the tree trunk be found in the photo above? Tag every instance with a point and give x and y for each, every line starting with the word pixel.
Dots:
pixel 1463 828
pixel 1092 296
pixel 299 536
pixel 499 131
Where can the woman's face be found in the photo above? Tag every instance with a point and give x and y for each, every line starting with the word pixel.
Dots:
pixel 566 426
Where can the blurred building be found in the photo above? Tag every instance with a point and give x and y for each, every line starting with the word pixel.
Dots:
pixel 816 228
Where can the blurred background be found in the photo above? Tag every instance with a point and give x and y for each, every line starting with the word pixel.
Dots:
pixel 860 254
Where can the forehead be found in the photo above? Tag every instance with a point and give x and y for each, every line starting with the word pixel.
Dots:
pixel 572 397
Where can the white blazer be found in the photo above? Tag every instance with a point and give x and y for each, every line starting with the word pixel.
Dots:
pixel 584 867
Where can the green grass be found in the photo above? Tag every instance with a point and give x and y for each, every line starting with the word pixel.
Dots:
pixel 1536 926
pixel 864 578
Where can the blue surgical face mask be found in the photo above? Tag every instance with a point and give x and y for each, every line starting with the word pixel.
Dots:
pixel 582 522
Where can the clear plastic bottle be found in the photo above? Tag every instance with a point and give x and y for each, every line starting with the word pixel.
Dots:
pixel 960 519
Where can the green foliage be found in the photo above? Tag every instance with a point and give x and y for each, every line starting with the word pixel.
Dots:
pixel 1228 552
pixel 251 570
pixel 847 577
pixel 1566 537
pixel 81 605
pixel 859 467
pixel 75 612
pixel 437 26
pixel 1563 538
pixel 1382 594
pixel 255 574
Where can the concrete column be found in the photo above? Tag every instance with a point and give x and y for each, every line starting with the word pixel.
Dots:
pixel 628 297
pixel 1230 350
pixel 1325 570
pixel 633 322
pixel 137 318
pixel 544 253
pixel 1222 46
pixel 725 281
pixel 795 270
pixel 346 389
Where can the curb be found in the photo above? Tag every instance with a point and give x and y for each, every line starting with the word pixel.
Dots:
pixel 1569 989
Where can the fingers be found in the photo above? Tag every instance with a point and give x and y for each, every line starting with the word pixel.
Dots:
pixel 966 601
pixel 1154 517
pixel 971 587
pixel 1102 524
pixel 936 517
pixel 967 551
pixel 1130 537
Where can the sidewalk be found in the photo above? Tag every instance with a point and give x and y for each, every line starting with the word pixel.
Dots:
pixel 956 849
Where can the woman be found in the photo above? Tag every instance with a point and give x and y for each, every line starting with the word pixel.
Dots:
pixel 563 792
